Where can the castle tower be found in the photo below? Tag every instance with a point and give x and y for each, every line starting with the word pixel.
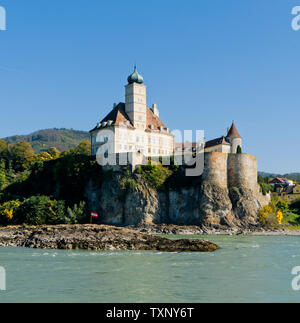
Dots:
pixel 234 138
pixel 136 100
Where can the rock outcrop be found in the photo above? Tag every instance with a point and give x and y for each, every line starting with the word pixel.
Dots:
pixel 95 237
pixel 206 204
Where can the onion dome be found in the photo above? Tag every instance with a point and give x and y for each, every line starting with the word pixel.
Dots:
pixel 135 77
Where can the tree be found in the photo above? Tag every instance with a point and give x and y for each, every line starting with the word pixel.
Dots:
pixel 2 174
pixel 43 157
pixel 282 205
pixel 84 148
pixel 239 150
pixel 3 147
pixel 39 210
pixel 54 152
pixel 22 155
pixel 7 211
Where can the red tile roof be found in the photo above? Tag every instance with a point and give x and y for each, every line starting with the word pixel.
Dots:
pixel 118 116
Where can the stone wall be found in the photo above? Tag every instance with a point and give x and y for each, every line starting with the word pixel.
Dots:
pixel 242 171
pixel 215 169
pixel 231 170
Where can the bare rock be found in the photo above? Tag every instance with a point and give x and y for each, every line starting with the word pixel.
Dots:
pixel 95 237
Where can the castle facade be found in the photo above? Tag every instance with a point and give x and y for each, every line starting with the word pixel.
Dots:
pixel 138 129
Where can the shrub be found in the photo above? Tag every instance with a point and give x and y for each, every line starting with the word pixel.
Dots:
pixel 8 210
pixel 77 214
pixel 39 210
pixel 155 175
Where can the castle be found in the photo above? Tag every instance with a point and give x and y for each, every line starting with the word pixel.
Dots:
pixel 228 192
pixel 138 130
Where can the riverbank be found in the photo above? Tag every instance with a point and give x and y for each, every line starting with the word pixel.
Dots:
pixel 195 230
pixel 96 237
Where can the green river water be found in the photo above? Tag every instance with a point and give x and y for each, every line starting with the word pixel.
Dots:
pixel 246 269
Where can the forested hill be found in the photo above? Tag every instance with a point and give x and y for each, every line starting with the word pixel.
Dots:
pixel 42 140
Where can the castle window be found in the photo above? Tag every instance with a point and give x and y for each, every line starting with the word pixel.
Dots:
pixel 137 139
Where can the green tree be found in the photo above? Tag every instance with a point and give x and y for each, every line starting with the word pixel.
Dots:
pixel 2 174
pixel 239 150
pixel 84 148
pixel 3 148
pixel 54 152
pixel 39 210
pixel 22 155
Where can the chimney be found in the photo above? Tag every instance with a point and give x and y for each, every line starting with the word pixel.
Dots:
pixel 155 110
pixel 115 105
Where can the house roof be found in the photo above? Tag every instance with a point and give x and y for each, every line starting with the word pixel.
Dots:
pixel 153 120
pixel 215 142
pixel 290 189
pixel 119 117
pixel 279 180
pixel 233 133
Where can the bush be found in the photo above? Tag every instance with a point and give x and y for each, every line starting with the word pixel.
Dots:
pixel 76 215
pixel 8 210
pixel 39 210
pixel 155 175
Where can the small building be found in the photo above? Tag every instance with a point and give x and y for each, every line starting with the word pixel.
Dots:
pixel 289 193
pixel 280 181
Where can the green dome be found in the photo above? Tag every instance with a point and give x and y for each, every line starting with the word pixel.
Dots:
pixel 135 77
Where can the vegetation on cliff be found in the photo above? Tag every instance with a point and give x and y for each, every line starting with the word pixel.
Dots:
pixel 45 188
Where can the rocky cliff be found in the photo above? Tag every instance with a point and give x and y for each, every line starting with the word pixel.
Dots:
pixel 205 203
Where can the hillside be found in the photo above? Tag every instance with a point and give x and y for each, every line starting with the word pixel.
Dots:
pixel 42 140
pixel 293 176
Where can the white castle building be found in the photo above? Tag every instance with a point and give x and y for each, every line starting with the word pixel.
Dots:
pixel 133 128
pixel 136 128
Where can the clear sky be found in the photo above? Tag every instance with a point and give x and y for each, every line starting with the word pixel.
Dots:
pixel 63 63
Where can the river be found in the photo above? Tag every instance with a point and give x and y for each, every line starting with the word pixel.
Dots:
pixel 245 269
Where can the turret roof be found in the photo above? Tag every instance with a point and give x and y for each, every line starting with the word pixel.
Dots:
pixel 233 132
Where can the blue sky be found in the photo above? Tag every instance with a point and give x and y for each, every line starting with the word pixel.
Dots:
pixel 64 63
